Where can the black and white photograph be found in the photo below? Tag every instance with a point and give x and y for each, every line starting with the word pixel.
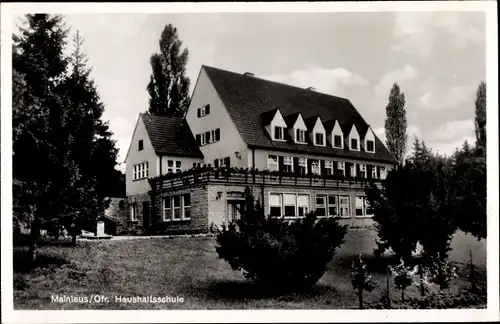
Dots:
pixel 229 157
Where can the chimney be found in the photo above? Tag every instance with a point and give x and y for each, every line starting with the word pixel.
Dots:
pixel 249 74
pixel 311 89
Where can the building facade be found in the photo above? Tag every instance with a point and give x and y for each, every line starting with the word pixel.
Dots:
pixel 297 149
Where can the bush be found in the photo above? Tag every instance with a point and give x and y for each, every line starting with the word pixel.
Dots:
pixel 279 253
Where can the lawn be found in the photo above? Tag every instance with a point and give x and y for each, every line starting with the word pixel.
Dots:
pixel 189 268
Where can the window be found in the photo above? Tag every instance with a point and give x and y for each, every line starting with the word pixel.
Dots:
pixel 354 144
pixel 370 146
pixel 321 205
pixel 133 212
pixel 177 208
pixel 186 206
pixel 177 166
pixel 140 171
pixel 208 137
pixel 337 141
pixel 170 166
pixel 301 136
pixel 140 145
pixel 341 168
pixel 167 210
pixel 174 166
pixel 275 205
pixel 290 205
pixel 328 167
pixel 302 165
pixel 315 167
pixel 319 139
pixel 362 171
pixel 302 204
pixel 374 172
pixel 363 207
pixel 352 170
pixel 203 139
pixel 272 163
pixel 203 111
pixel 279 134
pixel 382 172
pixel 332 205
pixel 344 206
pixel 288 164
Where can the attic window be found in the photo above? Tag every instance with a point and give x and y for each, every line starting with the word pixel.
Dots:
pixel 337 141
pixel 140 145
pixel 279 133
pixel 319 139
pixel 370 146
pixel 203 111
pixel 300 136
pixel 354 144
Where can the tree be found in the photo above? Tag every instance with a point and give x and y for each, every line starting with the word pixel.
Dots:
pixel 39 66
pixel 168 87
pixel 396 124
pixel 480 119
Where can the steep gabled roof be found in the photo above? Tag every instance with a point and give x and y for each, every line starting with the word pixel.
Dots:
pixel 268 116
pixel 248 98
pixel 291 119
pixel 171 136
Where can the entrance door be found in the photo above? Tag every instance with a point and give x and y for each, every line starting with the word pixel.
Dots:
pixel 235 209
pixel 145 215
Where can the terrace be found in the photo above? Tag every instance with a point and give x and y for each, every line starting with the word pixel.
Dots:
pixel 239 176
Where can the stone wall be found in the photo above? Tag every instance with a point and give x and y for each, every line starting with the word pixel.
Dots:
pixel 117 211
pixel 136 227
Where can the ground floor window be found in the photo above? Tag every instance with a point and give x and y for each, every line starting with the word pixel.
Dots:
pixel 332 205
pixel 363 207
pixel 177 208
pixel 288 204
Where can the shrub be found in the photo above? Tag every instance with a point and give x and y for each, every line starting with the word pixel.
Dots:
pixel 403 277
pixel 361 280
pixel 442 272
pixel 278 253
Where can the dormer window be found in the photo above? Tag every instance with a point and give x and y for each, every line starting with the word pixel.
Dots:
pixel 354 144
pixel 337 141
pixel 140 145
pixel 370 146
pixel 301 136
pixel 319 139
pixel 279 133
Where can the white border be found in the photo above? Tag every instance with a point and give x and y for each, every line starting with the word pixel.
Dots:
pixel 292 316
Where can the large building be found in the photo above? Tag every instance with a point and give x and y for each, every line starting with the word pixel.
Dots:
pixel 298 150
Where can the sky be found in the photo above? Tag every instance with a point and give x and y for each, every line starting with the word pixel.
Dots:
pixel 437 58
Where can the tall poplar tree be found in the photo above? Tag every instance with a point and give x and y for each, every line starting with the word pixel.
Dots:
pixel 480 119
pixel 168 87
pixel 396 124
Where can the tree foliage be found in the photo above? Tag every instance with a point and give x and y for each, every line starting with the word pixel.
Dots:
pixel 168 87
pixel 480 119
pixel 396 124
pixel 62 148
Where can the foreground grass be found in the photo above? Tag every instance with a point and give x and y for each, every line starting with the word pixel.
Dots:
pixel 189 268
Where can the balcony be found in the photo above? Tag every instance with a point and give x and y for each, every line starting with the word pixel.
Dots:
pixel 239 176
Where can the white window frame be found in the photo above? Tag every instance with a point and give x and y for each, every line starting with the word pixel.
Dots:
pixel 167 212
pixel 280 195
pixel 140 171
pixel 271 165
pixel 336 205
pixel 364 207
pixel 362 171
pixel 302 163
pixel 282 132
pixel 315 167
pixel 383 172
pixel 174 208
pixel 285 204
pixel 288 162
pixel 184 206
pixel 133 212
pixel 352 170
pixel 179 167
pixel 329 166
pixel 297 205
pixel 341 141
pixel 306 207
pixel 342 206
pixel 341 166
pixel 302 138
pixel 323 205
pixel 350 144
pixel 316 139
pixel 203 139
pixel 366 146
pixel 212 136
pixel 374 171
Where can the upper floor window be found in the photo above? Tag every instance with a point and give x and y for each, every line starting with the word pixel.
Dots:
pixel 208 137
pixel 272 163
pixel 337 141
pixel 328 167
pixel 370 146
pixel 279 133
pixel 354 144
pixel 140 145
pixel 341 168
pixel 301 136
pixel 319 139
pixel 374 172
pixel 140 171
pixel 288 164
pixel 203 111
pixel 362 170
pixel 173 166
pixel 302 165
pixel 382 172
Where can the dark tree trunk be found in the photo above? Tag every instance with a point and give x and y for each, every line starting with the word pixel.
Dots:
pixel 388 292
pixel 360 298
pixel 34 235
pixel 402 295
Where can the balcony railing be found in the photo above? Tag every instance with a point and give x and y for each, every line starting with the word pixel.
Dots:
pixel 253 176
